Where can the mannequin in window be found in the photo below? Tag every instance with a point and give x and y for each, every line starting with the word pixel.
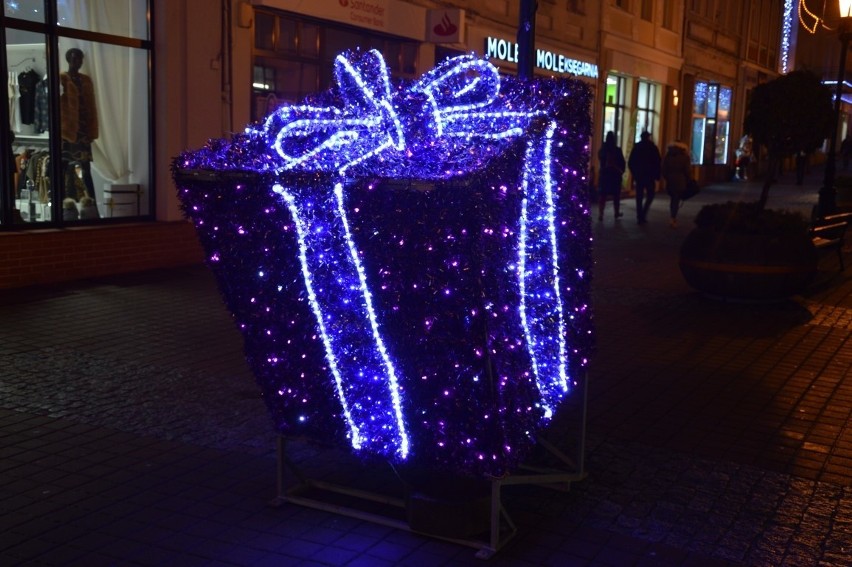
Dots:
pixel 79 120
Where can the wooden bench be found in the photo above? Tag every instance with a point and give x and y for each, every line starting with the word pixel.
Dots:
pixel 829 233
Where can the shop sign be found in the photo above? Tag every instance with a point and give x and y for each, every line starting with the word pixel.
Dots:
pixel 400 18
pixel 369 13
pixel 548 60
pixel 445 26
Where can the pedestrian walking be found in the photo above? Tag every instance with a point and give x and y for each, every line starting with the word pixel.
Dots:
pixel 676 171
pixel 612 166
pixel 644 164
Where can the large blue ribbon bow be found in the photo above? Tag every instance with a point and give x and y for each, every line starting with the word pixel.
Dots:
pixel 457 99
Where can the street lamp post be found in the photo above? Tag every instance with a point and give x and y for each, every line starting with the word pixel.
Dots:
pixel 828 193
pixel 526 38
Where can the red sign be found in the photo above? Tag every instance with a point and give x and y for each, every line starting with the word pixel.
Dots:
pixel 445 26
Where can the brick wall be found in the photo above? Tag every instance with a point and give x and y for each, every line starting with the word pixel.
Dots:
pixel 57 255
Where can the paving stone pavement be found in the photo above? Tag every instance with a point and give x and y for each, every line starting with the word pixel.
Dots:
pixel 131 431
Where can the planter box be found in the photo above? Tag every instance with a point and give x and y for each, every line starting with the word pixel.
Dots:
pixel 747 266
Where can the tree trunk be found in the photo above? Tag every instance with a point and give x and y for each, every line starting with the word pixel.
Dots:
pixel 769 179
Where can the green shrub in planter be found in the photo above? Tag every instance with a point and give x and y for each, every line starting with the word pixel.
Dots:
pixel 739 250
pixel 750 218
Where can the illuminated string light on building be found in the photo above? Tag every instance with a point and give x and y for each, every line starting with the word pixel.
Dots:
pixel 787 23
pixel 411 257
pixel 809 20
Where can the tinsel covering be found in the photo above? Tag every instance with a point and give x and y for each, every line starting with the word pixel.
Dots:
pixel 409 262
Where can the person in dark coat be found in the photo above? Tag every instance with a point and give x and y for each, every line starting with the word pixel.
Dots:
pixel 676 171
pixel 612 166
pixel 801 166
pixel 644 164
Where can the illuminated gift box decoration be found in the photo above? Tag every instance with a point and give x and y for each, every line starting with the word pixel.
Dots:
pixel 408 262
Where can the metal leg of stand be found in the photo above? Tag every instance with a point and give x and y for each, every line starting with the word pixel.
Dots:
pixel 279 473
pixel 581 447
pixel 501 527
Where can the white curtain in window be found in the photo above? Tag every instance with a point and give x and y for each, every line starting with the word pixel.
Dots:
pixel 110 70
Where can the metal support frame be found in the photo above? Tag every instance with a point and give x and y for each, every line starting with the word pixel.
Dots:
pixel 318 494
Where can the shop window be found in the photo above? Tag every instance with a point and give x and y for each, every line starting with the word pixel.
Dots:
pixel 28 182
pixel 712 100
pixel 341 41
pixel 125 18
pixel 700 100
pixel 264 32
pixel 309 40
pixel 30 10
pixel 442 53
pixel 264 78
pixel 723 126
pixel 287 40
pixel 711 124
pixel 409 59
pixel 294 57
pixel 615 102
pixel 104 130
pixel 647 109
pixel 88 157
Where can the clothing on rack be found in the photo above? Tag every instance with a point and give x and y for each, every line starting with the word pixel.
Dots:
pixel 38 171
pixel 14 108
pixel 21 157
pixel 27 82
pixel 41 118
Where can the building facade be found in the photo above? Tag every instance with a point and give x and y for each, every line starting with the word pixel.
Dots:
pixel 115 89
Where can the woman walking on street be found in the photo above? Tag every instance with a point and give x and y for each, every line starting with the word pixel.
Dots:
pixel 612 169
pixel 676 172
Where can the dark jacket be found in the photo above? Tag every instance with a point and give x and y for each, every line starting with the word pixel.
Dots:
pixel 644 161
pixel 676 168
pixel 612 168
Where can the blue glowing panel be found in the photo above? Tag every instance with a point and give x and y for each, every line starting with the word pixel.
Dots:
pixel 409 262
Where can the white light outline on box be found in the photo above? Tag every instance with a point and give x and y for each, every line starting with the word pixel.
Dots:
pixel 536 345
pixel 393 386
pixel 301 233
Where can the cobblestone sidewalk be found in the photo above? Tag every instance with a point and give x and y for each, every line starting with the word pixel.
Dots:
pixel 131 431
